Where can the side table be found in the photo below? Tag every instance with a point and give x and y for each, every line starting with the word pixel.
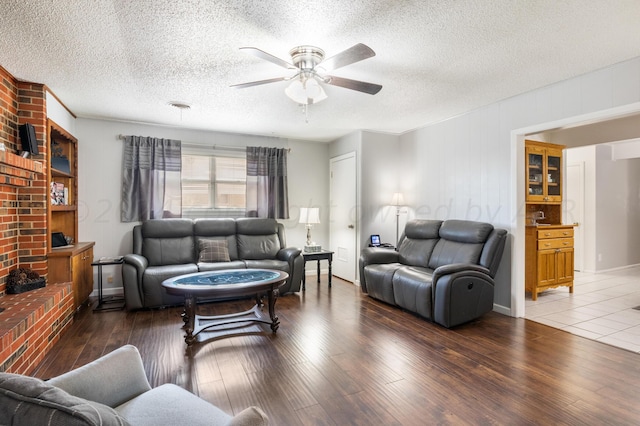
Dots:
pixel 111 299
pixel 317 256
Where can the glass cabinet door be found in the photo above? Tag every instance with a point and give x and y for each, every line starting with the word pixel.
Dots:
pixel 544 175
pixel 554 164
pixel 535 174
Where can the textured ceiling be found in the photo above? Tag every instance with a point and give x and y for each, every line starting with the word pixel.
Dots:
pixel 126 60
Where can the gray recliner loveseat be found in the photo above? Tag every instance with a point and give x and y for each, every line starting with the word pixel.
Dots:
pixel 165 248
pixel 442 271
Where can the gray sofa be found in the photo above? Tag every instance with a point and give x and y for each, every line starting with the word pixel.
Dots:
pixel 165 248
pixel 110 391
pixel 442 271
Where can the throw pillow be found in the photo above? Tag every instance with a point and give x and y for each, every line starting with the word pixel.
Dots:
pixel 214 251
pixel 27 400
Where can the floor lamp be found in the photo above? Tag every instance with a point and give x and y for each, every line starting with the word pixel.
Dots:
pixel 397 201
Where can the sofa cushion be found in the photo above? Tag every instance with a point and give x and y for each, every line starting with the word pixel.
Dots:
pixel 379 281
pixel 211 250
pixel 420 237
pixel 153 293
pixel 422 229
pixel 252 247
pixel 461 241
pixel 150 408
pixel 465 231
pixel 257 238
pixel 219 266
pixel 279 265
pixel 217 228
pixel 412 289
pixel 30 401
pixel 168 241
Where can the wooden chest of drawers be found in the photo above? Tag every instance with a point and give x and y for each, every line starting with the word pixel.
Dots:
pixel 548 258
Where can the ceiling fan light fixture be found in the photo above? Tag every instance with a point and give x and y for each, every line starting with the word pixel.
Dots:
pixel 305 91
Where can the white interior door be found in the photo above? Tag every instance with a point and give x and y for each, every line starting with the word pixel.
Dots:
pixel 574 209
pixel 343 215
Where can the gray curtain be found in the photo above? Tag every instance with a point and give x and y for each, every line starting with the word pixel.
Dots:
pixel 151 182
pixel 267 187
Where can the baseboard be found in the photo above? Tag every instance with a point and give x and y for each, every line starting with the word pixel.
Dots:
pixel 119 291
pixel 502 309
pixel 605 271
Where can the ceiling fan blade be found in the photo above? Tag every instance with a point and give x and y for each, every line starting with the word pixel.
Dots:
pixel 268 57
pixel 259 82
pixel 360 86
pixel 353 54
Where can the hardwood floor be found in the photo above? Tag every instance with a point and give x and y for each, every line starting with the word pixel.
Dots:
pixel 342 358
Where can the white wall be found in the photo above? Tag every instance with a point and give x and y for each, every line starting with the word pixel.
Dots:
pixel 100 178
pixel 617 210
pixel 379 177
pixel 612 208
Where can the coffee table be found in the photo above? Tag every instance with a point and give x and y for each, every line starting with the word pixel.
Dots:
pixel 226 284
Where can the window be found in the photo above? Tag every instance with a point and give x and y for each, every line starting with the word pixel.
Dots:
pixel 213 185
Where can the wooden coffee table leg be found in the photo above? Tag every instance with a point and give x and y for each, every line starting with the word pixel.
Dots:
pixel 189 317
pixel 275 322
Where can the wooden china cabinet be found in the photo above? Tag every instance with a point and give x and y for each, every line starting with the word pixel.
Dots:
pixel 549 249
pixel 71 263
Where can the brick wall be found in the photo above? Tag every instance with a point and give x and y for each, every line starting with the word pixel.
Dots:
pixel 31 322
pixel 23 210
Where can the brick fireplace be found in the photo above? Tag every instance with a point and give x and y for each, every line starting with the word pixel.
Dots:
pixel 30 322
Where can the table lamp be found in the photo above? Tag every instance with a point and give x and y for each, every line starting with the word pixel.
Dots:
pixel 309 216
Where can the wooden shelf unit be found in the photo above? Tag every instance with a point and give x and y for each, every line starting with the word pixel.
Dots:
pixel 549 247
pixel 549 255
pixel 68 264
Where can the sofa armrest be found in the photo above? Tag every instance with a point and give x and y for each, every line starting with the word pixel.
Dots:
pixel 293 256
pixel 132 273
pixel 374 255
pixel 288 254
pixel 111 380
pixel 457 267
pixel 461 293
pixel 137 261
pixel 370 255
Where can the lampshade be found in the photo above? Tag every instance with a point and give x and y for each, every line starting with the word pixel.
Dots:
pixel 309 215
pixel 398 199
pixel 305 91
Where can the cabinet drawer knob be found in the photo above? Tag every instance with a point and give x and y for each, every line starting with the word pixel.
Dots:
pixel 547 244
pixel 548 234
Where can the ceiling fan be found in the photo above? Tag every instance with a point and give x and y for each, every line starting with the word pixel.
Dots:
pixel 309 68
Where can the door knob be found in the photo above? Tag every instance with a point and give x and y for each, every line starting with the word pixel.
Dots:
pixel 351 227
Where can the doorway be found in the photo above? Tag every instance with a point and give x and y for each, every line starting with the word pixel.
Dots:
pixel 343 215
pixel 517 308
pixel 574 210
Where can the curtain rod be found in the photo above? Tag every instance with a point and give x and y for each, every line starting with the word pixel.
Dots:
pixel 199 145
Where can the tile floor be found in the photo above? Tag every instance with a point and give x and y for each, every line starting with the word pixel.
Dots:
pixel 601 307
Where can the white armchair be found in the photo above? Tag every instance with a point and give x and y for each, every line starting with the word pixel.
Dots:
pixel 112 390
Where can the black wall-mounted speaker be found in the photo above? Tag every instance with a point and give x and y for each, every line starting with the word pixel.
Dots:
pixel 28 138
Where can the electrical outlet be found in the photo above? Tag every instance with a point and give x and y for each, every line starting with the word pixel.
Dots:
pixel 110 279
pixel 599 257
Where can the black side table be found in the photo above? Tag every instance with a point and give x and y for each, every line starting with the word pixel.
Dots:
pixel 317 256
pixel 111 299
